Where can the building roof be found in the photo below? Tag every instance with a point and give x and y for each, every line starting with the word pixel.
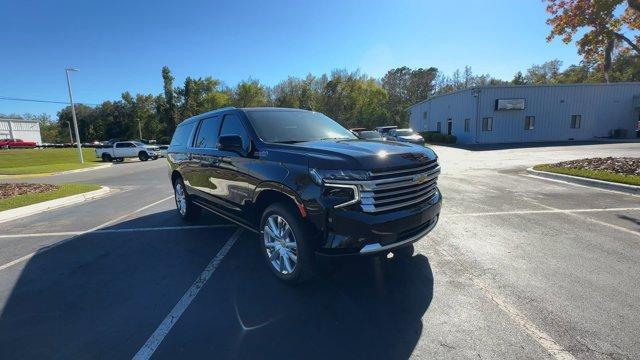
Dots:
pixel 524 86
pixel 17 119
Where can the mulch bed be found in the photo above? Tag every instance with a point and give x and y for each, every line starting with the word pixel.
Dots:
pixel 621 165
pixel 11 190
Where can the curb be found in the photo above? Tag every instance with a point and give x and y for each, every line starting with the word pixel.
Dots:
pixel 607 185
pixel 25 211
pixel 22 176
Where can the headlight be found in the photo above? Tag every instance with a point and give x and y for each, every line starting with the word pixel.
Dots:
pixel 319 176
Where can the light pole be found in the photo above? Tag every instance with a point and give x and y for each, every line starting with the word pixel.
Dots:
pixel 70 136
pixel 73 114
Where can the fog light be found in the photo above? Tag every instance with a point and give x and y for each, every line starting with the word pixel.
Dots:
pixel 390 255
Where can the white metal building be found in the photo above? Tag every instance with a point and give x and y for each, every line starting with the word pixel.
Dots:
pixel 530 113
pixel 27 130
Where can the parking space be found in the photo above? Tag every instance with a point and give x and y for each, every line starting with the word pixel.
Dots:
pixel 518 267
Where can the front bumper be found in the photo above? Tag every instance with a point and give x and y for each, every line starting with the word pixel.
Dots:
pixel 353 232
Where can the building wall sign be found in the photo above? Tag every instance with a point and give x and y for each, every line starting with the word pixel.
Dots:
pixel 510 104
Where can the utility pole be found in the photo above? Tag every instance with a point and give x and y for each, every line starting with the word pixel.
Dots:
pixel 139 130
pixel 73 114
pixel 70 136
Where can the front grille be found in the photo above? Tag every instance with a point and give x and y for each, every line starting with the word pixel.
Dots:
pixel 398 188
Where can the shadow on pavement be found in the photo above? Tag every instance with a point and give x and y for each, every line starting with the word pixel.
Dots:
pixel 365 309
pixel 101 295
pixel 630 218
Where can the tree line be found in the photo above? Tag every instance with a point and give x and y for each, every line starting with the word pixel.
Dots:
pixel 609 44
pixel 351 98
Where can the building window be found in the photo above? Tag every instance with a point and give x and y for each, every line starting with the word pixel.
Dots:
pixel 487 124
pixel 439 126
pixel 424 115
pixel 576 121
pixel 528 122
pixel 467 125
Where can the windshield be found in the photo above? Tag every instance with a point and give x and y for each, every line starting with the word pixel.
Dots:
pixel 370 135
pixel 295 126
pixel 404 132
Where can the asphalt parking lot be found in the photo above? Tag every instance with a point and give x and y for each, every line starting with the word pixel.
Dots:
pixel 518 267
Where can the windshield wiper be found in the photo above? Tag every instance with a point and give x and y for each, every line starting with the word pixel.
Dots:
pixel 288 141
pixel 336 138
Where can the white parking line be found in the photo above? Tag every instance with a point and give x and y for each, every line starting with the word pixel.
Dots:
pixel 163 329
pixel 106 231
pixel 616 227
pixel 542 338
pixel 549 211
pixel 49 247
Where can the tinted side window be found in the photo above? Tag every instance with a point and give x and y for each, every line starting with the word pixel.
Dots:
pixel 207 133
pixel 232 126
pixel 181 135
pixel 122 145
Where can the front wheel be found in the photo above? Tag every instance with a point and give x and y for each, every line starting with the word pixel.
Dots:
pixel 186 208
pixel 143 156
pixel 286 244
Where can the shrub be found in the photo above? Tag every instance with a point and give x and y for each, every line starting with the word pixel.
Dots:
pixel 436 137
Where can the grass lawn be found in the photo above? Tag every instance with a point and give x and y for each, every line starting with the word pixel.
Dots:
pixel 62 191
pixel 592 174
pixel 39 161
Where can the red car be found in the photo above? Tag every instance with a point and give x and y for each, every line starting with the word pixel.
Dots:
pixel 16 144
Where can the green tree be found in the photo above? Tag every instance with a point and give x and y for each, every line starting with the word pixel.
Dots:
pixel 250 93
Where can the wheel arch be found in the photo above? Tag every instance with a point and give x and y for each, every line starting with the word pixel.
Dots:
pixel 268 192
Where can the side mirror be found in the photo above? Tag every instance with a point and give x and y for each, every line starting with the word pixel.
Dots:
pixel 231 143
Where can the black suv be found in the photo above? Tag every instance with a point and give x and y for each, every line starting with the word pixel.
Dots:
pixel 307 185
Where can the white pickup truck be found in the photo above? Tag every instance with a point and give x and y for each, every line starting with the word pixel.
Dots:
pixel 127 149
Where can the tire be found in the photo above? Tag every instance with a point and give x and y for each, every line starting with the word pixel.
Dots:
pixel 106 157
pixel 143 156
pixel 404 252
pixel 289 257
pixel 187 210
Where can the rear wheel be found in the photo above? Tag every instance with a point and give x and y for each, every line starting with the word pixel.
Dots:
pixel 186 208
pixel 286 244
pixel 143 156
pixel 106 157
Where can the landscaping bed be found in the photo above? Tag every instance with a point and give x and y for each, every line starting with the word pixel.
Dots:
pixel 16 195
pixel 624 170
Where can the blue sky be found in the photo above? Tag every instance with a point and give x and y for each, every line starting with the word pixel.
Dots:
pixel 122 45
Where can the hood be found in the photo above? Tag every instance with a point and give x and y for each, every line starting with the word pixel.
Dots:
pixel 411 137
pixel 362 154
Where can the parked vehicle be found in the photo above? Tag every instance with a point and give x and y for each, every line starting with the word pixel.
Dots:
pixel 384 130
pixel 162 150
pixel 368 134
pixel 307 185
pixel 17 144
pixel 127 149
pixel 405 135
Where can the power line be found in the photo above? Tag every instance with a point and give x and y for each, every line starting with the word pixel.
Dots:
pixel 41 101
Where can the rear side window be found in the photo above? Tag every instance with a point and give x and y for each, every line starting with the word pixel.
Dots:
pixel 207 133
pixel 122 145
pixel 232 126
pixel 181 135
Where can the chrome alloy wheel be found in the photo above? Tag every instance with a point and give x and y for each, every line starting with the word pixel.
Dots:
pixel 281 245
pixel 181 198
